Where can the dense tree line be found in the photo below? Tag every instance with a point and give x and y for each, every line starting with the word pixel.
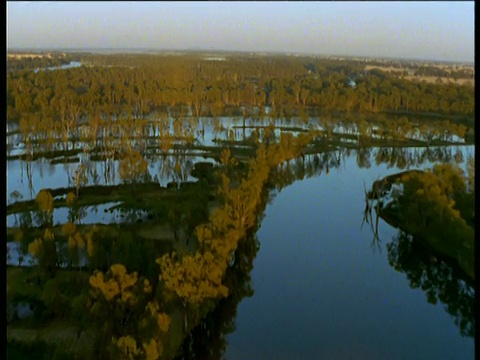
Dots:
pixel 139 84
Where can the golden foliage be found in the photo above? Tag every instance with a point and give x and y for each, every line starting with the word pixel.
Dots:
pixel 70 198
pixel 147 288
pixel 118 284
pixel 226 158
pixel 48 235
pixel 71 242
pixel 110 289
pixel 45 201
pixel 194 278
pixel 96 280
pixel 152 306
pixel 431 194
pixel 204 234
pixel 79 240
pixel 127 297
pixel 127 346
pixel 119 272
pixel 69 228
pixel 132 165
pixel 163 320
pixel 197 277
pixel 153 350
pixel 76 241
pixel 35 247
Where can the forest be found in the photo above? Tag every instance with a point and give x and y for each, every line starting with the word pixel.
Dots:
pixel 145 287
pixel 113 85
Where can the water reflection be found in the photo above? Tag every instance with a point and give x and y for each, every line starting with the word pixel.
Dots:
pixel 27 177
pixel 441 280
pixel 439 266
pixel 71 64
pixel 209 339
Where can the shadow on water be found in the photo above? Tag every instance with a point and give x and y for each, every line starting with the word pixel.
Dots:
pixel 441 280
pixel 209 339
pixel 438 273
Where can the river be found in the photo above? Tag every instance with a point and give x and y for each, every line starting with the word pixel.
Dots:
pixel 322 291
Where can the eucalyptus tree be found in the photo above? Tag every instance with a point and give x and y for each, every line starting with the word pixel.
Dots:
pixel 43 248
pixel 130 321
pixel 132 166
pixel 80 177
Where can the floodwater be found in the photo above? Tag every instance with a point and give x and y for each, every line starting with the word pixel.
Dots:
pixel 71 64
pixel 322 288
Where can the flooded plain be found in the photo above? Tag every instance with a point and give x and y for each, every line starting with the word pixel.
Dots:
pixel 322 285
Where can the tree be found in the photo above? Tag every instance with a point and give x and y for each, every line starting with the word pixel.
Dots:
pixel 471 174
pixel 44 202
pixel 76 243
pixel 194 278
pixel 132 166
pixel 45 251
pixel 130 318
pixel 80 177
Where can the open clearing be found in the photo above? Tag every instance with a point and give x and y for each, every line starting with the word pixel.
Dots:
pixel 429 79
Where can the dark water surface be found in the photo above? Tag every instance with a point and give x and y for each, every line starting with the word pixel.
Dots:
pixel 321 291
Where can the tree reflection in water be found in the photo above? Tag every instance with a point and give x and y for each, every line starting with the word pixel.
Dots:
pixel 439 274
pixel 209 339
pixel 441 280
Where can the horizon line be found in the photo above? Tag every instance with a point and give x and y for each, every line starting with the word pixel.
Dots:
pixel 298 53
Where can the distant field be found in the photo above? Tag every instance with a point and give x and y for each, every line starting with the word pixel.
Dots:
pixel 433 79
pixel 30 55
pixel 23 56
pixel 428 79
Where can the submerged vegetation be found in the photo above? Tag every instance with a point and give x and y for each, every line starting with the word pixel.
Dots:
pixel 187 153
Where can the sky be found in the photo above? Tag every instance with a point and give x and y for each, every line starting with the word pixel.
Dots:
pixel 427 30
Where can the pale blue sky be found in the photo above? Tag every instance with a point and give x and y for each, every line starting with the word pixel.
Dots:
pixel 421 30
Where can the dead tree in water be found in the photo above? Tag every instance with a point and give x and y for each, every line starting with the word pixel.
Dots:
pixel 368 216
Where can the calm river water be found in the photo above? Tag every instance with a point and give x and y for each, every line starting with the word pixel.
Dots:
pixel 322 292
